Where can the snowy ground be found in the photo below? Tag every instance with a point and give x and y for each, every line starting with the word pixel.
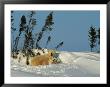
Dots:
pixel 74 64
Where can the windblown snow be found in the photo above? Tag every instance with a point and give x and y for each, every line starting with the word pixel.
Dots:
pixel 74 64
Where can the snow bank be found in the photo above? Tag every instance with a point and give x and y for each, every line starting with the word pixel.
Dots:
pixel 70 57
pixel 74 64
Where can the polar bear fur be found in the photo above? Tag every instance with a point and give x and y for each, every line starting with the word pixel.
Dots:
pixel 42 59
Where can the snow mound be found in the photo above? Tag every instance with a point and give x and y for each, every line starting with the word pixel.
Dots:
pixel 70 57
pixel 74 64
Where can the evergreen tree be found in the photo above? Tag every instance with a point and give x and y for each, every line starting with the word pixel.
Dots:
pixel 92 37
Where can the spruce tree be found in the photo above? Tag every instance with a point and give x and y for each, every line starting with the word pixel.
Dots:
pixel 92 37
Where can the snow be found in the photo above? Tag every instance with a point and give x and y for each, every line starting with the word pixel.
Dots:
pixel 40 51
pixel 74 64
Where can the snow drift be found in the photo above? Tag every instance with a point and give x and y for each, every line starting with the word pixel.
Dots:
pixel 74 64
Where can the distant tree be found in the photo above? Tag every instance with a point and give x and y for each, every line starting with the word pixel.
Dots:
pixel 92 37
pixel 59 45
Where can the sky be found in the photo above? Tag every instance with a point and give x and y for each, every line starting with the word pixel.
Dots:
pixel 71 27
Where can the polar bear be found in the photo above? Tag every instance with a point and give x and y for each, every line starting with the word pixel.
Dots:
pixel 42 59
